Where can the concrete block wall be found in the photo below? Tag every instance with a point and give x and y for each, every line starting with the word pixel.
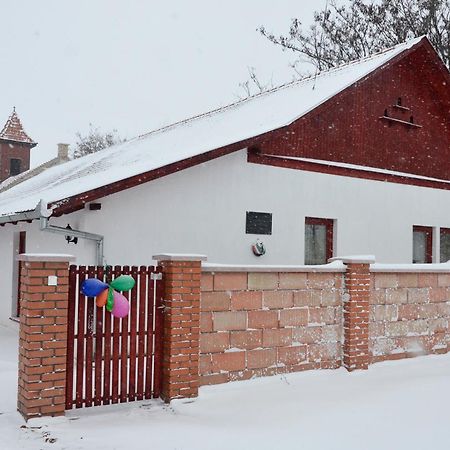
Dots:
pixel 409 314
pixel 264 323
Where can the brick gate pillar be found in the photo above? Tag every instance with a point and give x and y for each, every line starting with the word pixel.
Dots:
pixel 356 311
pixel 44 286
pixel 180 366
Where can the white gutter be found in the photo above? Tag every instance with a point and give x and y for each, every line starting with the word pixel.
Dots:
pixel 22 216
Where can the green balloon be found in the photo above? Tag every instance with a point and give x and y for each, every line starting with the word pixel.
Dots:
pixel 110 300
pixel 123 283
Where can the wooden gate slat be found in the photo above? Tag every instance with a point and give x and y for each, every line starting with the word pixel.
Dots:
pixel 107 395
pixel 158 331
pixel 149 349
pixel 141 331
pixel 80 341
pixel 133 331
pixel 99 346
pixel 70 335
pixel 116 350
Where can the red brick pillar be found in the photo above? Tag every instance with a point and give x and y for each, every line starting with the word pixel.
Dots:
pixel 43 334
pixel 181 275
pixel 356 312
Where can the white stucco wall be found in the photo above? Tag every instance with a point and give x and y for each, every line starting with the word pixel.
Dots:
pixel 6 273
pixel 202 210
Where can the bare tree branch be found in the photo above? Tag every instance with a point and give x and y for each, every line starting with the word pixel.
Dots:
pixel 95 141
pixel 341 34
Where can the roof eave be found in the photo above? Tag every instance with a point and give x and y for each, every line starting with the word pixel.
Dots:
pixel 24 216
pixel 16 141
pixel 77 202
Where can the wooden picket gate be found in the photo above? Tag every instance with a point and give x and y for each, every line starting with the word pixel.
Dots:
pixel 111 360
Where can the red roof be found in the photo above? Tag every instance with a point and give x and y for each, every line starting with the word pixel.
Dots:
pixel 13 130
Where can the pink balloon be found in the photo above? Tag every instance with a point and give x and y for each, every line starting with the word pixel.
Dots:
pixel 121 306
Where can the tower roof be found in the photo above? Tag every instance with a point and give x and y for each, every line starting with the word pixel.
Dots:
pixel 13 130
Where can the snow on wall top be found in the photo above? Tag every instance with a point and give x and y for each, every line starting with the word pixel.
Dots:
pixel 234 123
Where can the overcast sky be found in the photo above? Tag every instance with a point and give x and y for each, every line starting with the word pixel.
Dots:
pixel 132 65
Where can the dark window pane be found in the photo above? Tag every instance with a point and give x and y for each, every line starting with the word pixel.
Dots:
pixel 315 244
pixel 445 245
pixel 419 247
pixel 14 167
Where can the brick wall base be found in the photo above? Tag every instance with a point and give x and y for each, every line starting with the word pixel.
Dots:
pixel 181 326
pixel 244 324
pixel 42 338
pixel 356 317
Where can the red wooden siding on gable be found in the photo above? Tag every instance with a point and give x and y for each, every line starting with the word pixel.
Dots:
pixel 348 127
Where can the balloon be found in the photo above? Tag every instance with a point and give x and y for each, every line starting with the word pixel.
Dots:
pixel 121 306
pixel 102 298
pixel 93 287
pixel 123 283
pixel 110 300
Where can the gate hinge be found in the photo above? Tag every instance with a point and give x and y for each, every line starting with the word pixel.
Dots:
pixel 156 276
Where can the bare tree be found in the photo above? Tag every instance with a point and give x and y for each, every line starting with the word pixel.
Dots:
pixel 94 141
pixel 341 34
pixel 253 85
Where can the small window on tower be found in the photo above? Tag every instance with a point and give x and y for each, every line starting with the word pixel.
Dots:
pixel 14 166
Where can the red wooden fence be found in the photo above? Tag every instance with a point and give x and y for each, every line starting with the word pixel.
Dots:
pixel 111 360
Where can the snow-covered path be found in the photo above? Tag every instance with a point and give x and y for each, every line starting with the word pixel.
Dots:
pixel 400 405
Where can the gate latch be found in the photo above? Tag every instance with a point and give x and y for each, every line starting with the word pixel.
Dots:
pixel 156 276
pixel 163 308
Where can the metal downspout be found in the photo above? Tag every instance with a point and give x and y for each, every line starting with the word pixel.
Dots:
pixel 98 238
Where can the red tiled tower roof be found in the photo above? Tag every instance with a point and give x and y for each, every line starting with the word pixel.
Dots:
pixel 13 130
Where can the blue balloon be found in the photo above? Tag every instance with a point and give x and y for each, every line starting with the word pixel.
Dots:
pixel 93 287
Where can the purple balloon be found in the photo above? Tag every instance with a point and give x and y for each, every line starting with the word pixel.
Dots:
pixel 121 306
pixel 93 287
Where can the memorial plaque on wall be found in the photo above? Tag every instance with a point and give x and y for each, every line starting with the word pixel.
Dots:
pixel 258 223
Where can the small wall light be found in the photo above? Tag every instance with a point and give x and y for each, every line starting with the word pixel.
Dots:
pixel 71 239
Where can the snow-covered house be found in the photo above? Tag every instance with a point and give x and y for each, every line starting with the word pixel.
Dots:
pixel 353 160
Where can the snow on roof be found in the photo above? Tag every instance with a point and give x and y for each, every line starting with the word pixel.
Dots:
pixel 233 123
pixel 13 130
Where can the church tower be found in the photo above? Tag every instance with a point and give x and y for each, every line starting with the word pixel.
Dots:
pixel 15 146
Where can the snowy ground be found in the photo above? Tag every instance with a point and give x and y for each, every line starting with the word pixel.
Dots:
pixel 400 405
